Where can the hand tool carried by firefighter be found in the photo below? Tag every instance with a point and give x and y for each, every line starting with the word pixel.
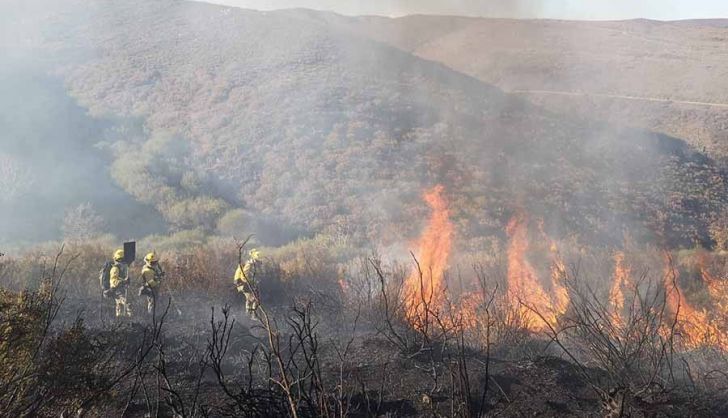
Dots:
pixel 129 252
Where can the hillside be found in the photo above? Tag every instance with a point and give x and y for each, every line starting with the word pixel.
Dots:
pixel 290 118
pixel 668 77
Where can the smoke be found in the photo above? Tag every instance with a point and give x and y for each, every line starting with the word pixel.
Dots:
pixel 63 156
pixel 194 119
pixel 49 164
pixel 516 8
pixel 520 9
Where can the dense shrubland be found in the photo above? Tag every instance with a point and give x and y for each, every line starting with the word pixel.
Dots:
pixel 317 129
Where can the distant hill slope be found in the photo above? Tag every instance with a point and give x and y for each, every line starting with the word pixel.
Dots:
pixel 620 66
pixel 289 116
pixel 48 165
pixel 716 23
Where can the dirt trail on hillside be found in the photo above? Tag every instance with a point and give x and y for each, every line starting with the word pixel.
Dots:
pixel 619 96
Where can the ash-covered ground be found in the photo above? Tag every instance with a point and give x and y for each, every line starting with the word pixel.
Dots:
pixel 331 354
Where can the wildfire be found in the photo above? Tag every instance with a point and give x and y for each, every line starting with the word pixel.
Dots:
pixel 427 301
pixel 524 287
pixel 718 289
pixel 695 325
pixel 424 290
pixel 558 274
pixel 468 312
pixel 616 294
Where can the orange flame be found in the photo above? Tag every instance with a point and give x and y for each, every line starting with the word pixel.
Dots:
pixel 616 294
pixel 560 294
pixel 523 284
pixel 468 312
pixel 717 288
pixel 425 290
pixel 696 327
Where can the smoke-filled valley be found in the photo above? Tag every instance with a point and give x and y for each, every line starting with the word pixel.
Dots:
pixel 456 216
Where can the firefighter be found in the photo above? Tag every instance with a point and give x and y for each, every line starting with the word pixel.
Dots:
pixel 152 275
pixel 245 282
pixel 119 283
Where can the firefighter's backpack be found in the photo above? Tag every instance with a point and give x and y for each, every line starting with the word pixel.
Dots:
pixel 105 276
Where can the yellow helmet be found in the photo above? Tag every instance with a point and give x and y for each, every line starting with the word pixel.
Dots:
pixel 151 258
pixel 254 254
pixel 119 255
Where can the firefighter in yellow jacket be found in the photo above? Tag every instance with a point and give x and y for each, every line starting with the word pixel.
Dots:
pixel 245 282
pixel 119 281
pixel 152 275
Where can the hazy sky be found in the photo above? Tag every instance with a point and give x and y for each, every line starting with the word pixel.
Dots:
pixel 558 9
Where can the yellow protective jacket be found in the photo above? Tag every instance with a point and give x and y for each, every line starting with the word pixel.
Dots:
pixel 118 274
pixel 244 275
pixel 241 274
pixel 152 275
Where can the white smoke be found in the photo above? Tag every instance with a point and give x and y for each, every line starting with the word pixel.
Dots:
pixel 16 178
pixel 549 9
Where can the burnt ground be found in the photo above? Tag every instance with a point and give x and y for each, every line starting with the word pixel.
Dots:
pixel 544 386
pixel 373 377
